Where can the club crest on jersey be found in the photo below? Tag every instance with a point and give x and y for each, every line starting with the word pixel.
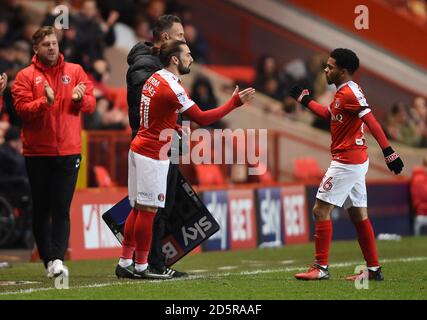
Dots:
pixel 337 104
pixel 66 79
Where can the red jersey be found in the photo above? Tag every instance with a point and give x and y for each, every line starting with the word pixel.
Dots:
pixel 347 109
pixel 163 97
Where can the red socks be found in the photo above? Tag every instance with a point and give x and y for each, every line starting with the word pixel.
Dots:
pixel 322 241
pixel 367 242
pixel 129 243
pixel 138 232
pixel 143 234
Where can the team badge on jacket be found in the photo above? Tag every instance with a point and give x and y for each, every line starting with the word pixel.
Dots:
pixel 66 79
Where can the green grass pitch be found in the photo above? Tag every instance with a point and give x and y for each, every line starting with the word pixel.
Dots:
pixel 246 274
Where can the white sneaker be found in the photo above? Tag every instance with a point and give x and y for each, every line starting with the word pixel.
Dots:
pixel 49 271
pixel 58 268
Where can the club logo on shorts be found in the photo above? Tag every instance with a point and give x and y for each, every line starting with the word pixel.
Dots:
pixel 161 197
pixel 66 79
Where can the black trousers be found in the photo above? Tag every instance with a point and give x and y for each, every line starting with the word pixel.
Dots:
pixel 156 258
pixel 52 181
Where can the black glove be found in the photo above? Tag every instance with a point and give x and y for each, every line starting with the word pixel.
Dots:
pixel 297 91
pixel 393 161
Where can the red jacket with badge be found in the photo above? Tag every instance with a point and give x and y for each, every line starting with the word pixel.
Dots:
pixel 419 190
pixel 51 130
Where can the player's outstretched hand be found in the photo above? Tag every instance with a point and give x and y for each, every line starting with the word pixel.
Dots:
pixel 244 95
pixel 298 93
pixel 393 161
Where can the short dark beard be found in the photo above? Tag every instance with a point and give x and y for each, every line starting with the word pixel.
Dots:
pixel 183 70
pixel 47 62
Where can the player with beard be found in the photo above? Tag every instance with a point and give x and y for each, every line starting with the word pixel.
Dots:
pixel 163 97
pixel 344 182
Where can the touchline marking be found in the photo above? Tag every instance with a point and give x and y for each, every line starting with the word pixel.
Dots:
pixel 218 275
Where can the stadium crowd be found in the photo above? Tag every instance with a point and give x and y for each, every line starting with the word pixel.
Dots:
pixel 403 123
pixel 93 26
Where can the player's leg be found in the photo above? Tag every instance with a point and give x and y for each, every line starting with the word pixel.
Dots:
pixel 151 185
pixel 156 258
pixel 38 174
pixel 125 268
pixel 356 205
pixel 333 191
pixel 366 238
pixel 322 240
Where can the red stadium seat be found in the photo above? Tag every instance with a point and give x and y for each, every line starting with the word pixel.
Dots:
pixel 103 178
pixel 307 168
pixel 209 174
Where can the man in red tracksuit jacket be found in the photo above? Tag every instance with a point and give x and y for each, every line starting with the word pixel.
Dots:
pixel 49 96
pixel 418 188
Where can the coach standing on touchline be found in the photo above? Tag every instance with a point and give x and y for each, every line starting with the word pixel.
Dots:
pixel 49 96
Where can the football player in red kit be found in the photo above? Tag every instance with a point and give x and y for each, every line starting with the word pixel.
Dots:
pixel 163 97
pixel 344 182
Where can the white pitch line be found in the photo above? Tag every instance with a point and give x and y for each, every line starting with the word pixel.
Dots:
pixel 218 275
pixel 227 267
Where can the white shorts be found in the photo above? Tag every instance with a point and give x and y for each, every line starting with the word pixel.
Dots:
pixel 344 185
pixel 147 180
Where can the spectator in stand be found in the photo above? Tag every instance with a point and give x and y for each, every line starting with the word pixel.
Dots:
pixel 197 44
pixel 154 10
pixel 13 13
pixel 12 163
pixel 93 34
pixel 142 30
pixel 418 7
pixel 22 56
pixel 400 127
pixel 266 71
pixel 418 113
pixel 419 196
pixel 107 115
pixel 203 95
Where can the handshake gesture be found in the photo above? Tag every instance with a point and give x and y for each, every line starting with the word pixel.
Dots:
pixel 77 96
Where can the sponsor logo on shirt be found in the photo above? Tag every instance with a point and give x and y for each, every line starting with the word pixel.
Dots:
pixel 38 80
pixel 182 97
pixel 337 117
